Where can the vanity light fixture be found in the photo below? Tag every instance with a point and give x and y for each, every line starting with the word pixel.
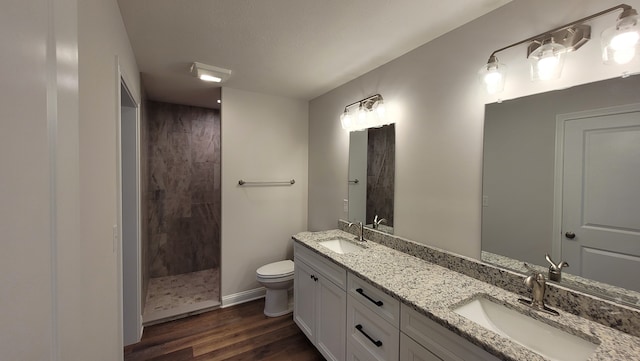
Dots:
pixel 209 72
pixel 371 112
pixel 546 51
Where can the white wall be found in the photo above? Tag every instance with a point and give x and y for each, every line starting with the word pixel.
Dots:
pixel 439 108
pixel 102 37
pixel 264 138
pixel 25 216
pixel 40 260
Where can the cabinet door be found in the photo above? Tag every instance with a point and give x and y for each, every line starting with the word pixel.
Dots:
pixel 304 299
pixel 331 320
pixel 412 351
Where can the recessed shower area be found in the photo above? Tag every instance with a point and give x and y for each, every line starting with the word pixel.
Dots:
pixel 181 198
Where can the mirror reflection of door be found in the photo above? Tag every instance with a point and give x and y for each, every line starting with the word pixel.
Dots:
pixel 600 234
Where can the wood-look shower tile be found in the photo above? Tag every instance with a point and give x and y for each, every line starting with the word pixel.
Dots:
pixel 158 260
pixel 181 122
pixel 202 182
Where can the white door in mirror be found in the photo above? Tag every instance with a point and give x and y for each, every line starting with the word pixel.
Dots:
pixel 601 195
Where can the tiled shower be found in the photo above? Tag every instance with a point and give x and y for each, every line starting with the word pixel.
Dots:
pixel 181 201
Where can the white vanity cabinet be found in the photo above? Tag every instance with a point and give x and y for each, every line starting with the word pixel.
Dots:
pixel 373 318
pixel 320 302
pixel 347 318
pixel 424 340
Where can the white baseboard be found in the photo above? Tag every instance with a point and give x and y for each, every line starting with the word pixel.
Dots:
pixel 242 297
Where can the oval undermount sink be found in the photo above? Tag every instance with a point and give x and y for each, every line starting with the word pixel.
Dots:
pixel 340 245
pixel 546 340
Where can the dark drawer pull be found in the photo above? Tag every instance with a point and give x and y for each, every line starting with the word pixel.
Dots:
pixel 378 343
pixel 377 303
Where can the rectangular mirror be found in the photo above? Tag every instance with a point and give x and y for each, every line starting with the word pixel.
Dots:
pixel 561 176
pixel 372 177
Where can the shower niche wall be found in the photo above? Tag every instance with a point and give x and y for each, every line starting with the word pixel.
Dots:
pixel 183 198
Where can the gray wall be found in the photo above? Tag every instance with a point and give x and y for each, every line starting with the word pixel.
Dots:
pixel 519 161
pixel 184 189
pixel 433 94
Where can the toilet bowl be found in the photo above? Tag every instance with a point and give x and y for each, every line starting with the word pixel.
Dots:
pixel 277 279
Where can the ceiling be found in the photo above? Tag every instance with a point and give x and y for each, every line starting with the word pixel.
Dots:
pixel 293 48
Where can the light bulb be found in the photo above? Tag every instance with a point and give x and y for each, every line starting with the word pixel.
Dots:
pixel 207 77
pixel 546 61
pixel 381 109
pixel 493 82
pixel 620 42
pixel 624 46
pixel 547 67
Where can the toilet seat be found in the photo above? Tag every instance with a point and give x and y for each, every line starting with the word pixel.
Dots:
pixel 276 270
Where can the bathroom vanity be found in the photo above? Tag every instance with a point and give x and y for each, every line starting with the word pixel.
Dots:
pixel 371 302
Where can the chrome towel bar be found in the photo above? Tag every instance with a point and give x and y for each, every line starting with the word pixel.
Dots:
pixel 245 183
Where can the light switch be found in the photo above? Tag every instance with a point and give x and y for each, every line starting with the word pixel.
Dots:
pixel 345 205
pixel 485 201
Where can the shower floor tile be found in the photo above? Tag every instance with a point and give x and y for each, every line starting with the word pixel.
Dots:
pixel 183 294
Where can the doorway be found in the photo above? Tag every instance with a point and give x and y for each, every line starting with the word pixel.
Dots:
pixel 183 206
pixel 600 227
pixel 130 217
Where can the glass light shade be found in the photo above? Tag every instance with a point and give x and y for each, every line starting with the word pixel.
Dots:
pixel 346 120
pixel 547 61
pixel 380 109
pixel 361 118
pixel 620 43
pixel 492 76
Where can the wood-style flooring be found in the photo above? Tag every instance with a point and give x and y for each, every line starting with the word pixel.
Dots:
pixel 239 333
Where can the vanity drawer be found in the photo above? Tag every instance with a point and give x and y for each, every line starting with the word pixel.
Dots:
pixel 377 301
pixel 328 269
pixel 438 340
pixel 369 336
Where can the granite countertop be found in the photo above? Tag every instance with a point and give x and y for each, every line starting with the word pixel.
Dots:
pixel 434 291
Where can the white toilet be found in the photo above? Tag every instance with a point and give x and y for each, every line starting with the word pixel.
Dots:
pixel 277 278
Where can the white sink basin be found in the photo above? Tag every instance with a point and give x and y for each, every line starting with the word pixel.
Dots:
pixel 340 245
pixel 546 340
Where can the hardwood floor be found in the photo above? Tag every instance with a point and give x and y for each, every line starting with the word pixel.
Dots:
pixel 239 333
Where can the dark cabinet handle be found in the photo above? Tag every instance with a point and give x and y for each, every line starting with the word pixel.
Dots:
pixel 378 343
pixel 570 235
pixel 377 303
pixel 314 278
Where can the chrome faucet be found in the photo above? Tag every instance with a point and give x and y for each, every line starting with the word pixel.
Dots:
pixel 360 236
pixel 377 222
pixel 537 283
pixel 555 270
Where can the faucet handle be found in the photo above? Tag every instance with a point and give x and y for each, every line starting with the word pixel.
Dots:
pixel 555 270
pixel 555 266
